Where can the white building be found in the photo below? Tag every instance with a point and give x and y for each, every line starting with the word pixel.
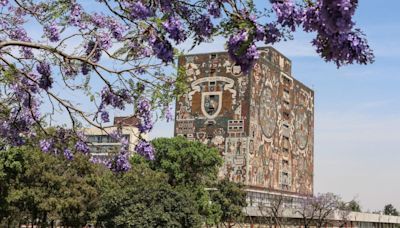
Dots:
pixel 101 142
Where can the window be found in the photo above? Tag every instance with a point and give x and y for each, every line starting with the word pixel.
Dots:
pixel 286 115
pixel 285 138
pixel 213 56
pixel 286 80
pixel 285 164
pixel 285 142
pixel 286 91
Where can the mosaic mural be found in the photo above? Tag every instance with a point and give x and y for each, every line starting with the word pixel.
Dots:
pixel 262 122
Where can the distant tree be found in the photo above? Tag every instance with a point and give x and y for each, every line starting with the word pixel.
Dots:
pixel 354 205
pixel 232 199
pixel 272 211
pixel 389 209
pixel 316 210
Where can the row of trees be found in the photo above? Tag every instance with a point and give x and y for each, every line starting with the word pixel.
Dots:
pixel 317 211
pixel 43 189
pixel 322 210
pixel 179 188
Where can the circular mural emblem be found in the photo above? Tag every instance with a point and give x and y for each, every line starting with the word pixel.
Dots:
pixel 301 124
pixel 267 112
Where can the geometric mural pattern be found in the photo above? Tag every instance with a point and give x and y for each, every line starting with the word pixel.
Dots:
pixel 262 122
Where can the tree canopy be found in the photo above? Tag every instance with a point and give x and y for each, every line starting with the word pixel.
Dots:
pixel 186 162
pixel 46 188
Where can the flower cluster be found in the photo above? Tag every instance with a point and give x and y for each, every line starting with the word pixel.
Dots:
pixel 45 81
pixel 68 154
pixel 120 163
pixel 75 17
pixel 169 116
pixel 336 39
pixel 17 121
pixel 46 145
pixel 336 15
pixel 162 48
pixel 58 144
pixel 214 9
pixel 272 34
pixel 145 149
pixel 203 26
pixel 174 27
pixel 51 31
pixel 242 50
pixel 82 146
pixel 143 112
pixel 116 99
pixel 287 13
pixel 140 11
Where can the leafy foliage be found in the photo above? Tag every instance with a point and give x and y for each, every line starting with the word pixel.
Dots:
pixel 143 198
pixel 354 205
pixel 232 199
pixel 186 162
pixel 42 188
pixel 389 209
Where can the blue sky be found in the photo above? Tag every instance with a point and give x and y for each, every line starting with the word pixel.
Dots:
pixel 357 110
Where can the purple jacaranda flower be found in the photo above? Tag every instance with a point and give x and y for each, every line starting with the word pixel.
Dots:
pixel 145 149
pixel 51 31
pixel 68 154
pixel 46 145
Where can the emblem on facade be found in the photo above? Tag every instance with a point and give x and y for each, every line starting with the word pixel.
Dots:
pixel 211 103
pixel 211 90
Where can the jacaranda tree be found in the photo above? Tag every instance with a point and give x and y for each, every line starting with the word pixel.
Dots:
pixel 125 45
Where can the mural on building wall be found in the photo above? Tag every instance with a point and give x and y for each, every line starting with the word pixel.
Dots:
pixel 262 121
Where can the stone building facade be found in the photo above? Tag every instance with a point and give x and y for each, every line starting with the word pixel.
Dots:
pixel 262 121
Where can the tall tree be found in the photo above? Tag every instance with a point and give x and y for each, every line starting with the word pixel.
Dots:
pixel 143 198
pixel 186 162
pixel 232 199
pixel 190 165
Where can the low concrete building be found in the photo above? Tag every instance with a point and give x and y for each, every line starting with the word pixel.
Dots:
pixel 101 142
